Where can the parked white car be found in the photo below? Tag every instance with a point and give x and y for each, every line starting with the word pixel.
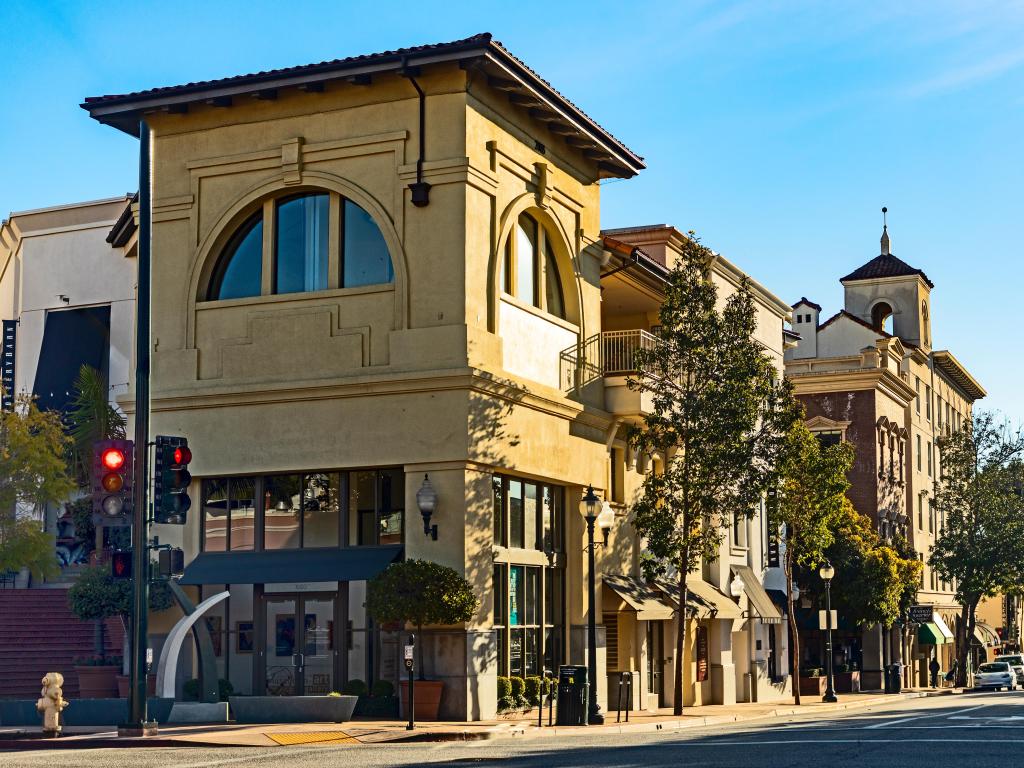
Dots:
pixel 1016 662
pixel 995 675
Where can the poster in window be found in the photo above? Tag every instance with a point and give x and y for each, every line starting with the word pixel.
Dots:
pixel 284 636
pixel 244 637
pixel 702 654
pixel 514 576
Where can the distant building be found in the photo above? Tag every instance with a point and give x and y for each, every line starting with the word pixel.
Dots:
pixel 869 374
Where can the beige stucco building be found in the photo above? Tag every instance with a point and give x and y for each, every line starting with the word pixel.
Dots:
pixel 375 270
pixel 871 375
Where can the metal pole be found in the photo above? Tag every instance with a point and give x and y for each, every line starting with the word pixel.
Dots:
pixel 412 689
pixel 137 716
pixel 594 716
pixel 830 692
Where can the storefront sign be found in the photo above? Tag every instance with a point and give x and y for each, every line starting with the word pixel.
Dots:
pixel 828 619
pixel 921 614
pixel 702 654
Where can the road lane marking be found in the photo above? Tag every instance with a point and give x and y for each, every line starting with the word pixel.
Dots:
pixel 889 723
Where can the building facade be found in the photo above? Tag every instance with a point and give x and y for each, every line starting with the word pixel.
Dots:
pixel 384 270
pixel 870 375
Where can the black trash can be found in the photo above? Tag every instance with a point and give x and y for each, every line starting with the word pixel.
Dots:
pixel 897 677
pixel 572 696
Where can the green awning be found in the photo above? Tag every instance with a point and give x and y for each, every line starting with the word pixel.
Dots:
pixel 929 634
pixel 290 565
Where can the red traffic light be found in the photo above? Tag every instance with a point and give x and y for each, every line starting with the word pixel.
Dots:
pixel 113 458
pixel 121 565
pixel 182 455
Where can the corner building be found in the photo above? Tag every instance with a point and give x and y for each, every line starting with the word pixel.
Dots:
pixel 375 270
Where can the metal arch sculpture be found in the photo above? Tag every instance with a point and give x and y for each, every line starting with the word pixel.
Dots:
pixel 167 666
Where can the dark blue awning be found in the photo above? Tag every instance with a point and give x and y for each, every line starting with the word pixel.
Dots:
pixel 71 338
pixel 287 565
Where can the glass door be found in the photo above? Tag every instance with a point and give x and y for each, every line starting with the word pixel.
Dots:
pixel 655 660
pixel 283 662
pixel 300 645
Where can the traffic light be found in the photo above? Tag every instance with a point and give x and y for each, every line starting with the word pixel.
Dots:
pixel 172 562
pixel 121 564
pixel 113 467
pixel 172 479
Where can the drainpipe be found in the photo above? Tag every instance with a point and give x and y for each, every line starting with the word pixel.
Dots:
pixel 420 189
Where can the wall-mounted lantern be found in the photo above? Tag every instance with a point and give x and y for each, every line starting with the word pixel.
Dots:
pixel 426 500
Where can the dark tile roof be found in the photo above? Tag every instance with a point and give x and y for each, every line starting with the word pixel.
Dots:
pixel 885 265
pixel 808 302
pixel 842 313
pixel 122 110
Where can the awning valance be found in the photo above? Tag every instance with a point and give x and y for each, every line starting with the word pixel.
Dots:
pixel 704 600
pixel 761 605
pixel 943 627
pixel 985 635
pixel 290 565
pixel 648 602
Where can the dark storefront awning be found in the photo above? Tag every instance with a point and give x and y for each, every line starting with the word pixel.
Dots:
pixel 760 604
pixel 290 565
pixel 71 338
pixel 648 602
pixel 779 598
pixel 929 634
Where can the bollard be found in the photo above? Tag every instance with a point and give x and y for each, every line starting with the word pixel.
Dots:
pixel 551 701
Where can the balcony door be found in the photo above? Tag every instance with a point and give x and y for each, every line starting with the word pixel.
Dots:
pixel 300 644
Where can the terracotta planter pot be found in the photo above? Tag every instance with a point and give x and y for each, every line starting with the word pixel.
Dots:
pixel 97 682
pixel 847 682
pixel 428 698
pixel 813 686
pixel 122 685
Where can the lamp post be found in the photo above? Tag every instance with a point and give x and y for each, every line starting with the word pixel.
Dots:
pixel 827 572
pixel 589 505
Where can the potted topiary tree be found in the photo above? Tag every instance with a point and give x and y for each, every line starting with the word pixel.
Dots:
pixel 97 596
pixel 421 592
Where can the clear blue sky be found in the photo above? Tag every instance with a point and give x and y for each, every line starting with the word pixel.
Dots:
pixel 776 130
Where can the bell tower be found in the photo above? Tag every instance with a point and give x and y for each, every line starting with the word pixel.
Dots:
pixel 891 295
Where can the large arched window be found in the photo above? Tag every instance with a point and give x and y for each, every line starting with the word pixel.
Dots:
pixel 320 240
pixel 529 270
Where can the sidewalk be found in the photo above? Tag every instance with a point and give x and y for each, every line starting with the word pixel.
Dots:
pixel 390 731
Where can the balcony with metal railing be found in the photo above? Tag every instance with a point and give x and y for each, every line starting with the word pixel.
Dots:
pixel 609 356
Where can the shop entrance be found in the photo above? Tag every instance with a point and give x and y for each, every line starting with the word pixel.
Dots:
pixel 301 655
pixel 656 661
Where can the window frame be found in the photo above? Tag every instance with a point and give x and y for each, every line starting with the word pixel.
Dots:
pixel 544 246
pixel 267 216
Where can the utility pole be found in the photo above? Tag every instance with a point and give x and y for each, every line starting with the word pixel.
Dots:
pixel 137 724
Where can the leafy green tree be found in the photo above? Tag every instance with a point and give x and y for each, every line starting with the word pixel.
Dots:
pixel 978 494
pixel 420 592
pixel 91 418
pixel 811 500
pixel 32 475
pixel 719 416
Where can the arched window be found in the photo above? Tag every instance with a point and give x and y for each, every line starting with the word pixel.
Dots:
pixel 529 269
pixel 320 241
pixel 881 317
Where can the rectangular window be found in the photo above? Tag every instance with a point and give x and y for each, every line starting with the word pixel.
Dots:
pixel 610 620
pixel 515 513
pixel 616 476
pixel 920 512
pixel 320 504
pixel 931 517
pixel 526 260
pixel 917 397
pixel 282 512
pixel 918 453
pixel 928 402
pixel 498 510
pixel 929 458
pixel 365 256
pixel 500 616
pixel 243 514
pixel 739 530
pixel 301 247
pixel 215 515
pixel 531 519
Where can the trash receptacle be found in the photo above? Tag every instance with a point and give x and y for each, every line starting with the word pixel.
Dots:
pixel 572 696
pixel 897 677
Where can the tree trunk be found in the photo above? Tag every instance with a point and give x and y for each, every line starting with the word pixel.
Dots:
pixel 677 689
pixel 963 635
pixel 794 641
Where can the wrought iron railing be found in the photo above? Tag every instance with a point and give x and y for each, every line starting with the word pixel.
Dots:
pixel 612 353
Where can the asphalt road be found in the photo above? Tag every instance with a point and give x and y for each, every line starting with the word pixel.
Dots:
pixel 967 731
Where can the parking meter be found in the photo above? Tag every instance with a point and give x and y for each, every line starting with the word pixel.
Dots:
pixel 410 666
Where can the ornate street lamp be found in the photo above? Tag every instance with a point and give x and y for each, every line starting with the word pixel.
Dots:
pixel 827 572
pixel 426 500
pixel 589 506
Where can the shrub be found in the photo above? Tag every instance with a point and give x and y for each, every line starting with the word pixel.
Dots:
pixel 506 704
pixel 355 687
pixel 382 689
pixel 518 686
pixel 522 703
pixel 504 688
pixel 533 688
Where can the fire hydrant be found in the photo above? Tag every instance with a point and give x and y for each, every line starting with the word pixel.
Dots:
pixel 51 703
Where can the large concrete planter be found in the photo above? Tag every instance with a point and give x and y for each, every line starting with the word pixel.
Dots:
pixel 813 686
pixel 847 682
pixel 106 712
pixel 97 682
pixel 428 698
pixel 292 709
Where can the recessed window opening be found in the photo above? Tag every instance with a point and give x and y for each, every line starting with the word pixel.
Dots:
pixel 529 269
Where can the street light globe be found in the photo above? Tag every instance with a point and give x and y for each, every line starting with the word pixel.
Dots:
pixel 826 571
pixel 589 503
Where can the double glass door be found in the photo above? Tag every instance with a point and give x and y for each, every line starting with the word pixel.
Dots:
pixel 300 643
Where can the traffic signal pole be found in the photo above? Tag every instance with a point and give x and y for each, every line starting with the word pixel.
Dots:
pixel 137 724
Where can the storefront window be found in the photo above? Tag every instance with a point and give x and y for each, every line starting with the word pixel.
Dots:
pixel 282 513
pixel 320 510
pixel 243 514
pixel 215 515
pixel 523 617
pixel 527 515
